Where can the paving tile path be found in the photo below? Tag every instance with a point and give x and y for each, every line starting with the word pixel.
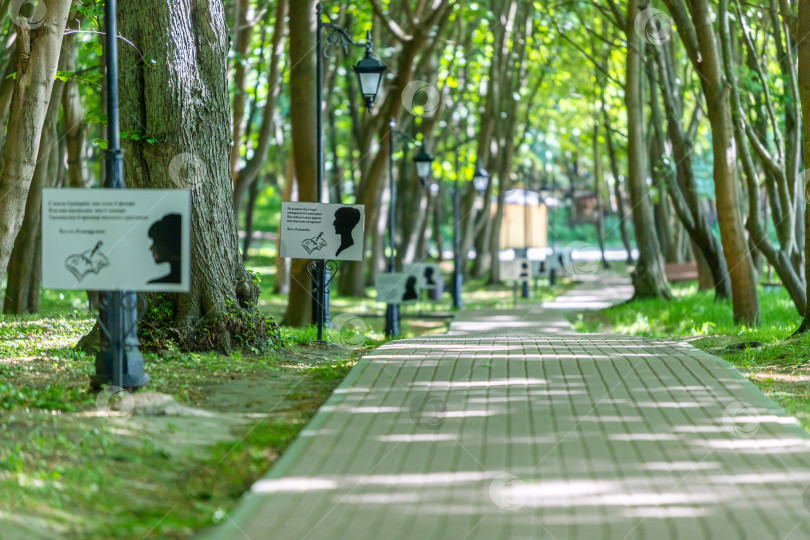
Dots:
pixel 513 426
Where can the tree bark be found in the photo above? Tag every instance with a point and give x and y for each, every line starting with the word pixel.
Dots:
pixel 36 69
pixel 803 45
pixel 682 187
pixel 648 275
pixel 597 189
pixel 701 45
pixel 250 172
pixel 182 102
pixel 22 292
pixel 303 110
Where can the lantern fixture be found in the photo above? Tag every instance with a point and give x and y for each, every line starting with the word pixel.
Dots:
pixel 424 164
pixel 369 75
pixel 480 179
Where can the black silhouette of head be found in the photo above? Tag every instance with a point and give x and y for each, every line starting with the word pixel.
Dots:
pixel 429 275
pixel 346 219
pixel 166 235
pixel 410 289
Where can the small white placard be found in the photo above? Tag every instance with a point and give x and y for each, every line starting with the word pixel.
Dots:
pixel 399 288
pixel 116 239
pixel 428 274
pixel 516 270
pixel 554 261
pixel 322 231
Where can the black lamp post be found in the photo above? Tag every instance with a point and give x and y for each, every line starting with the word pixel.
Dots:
pixel 424 162
pixel 526 292
pixel 118 361
pixel 369 76
pixel 458 279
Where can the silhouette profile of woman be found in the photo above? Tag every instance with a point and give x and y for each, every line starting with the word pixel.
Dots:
pixel 410 289
pixel 429 276
pixel 346 219
pixel 166 235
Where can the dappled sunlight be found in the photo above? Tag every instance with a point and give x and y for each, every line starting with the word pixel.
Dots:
pixel 784 445
pixel 293 485
pixel 482 384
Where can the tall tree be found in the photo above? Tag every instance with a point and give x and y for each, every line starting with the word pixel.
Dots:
pixel 697 33
pixel 181 101
pixel 803 45
pixel 303 108
pixel 36 68
pixel 648 275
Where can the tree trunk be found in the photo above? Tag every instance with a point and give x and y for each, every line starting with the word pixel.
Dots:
pixel 250 172
pixel 803 45
pixel 75 130
pixel 181 101
pixel 618 192
pixel 701 45
pixel 303 110
pixel 597 189
pixel 22 289
pixel 648 275
pixel 242 33
pixel 29 104
pixel 682 187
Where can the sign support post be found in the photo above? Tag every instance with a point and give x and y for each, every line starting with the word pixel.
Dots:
pixel 118 361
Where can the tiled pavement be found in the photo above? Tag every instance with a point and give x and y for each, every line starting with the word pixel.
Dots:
pixel 529 431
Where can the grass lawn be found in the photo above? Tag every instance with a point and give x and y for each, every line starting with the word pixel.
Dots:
pixel 773 360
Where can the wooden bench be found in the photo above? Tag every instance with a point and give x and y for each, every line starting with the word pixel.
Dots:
pixel 679 272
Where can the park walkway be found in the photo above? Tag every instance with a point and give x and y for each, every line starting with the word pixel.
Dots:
pixel 512 426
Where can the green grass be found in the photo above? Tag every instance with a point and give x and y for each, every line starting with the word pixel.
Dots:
pixel 780 366
pixel 694 313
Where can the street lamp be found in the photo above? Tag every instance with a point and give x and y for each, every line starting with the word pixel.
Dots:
pixel 526 289
pixel 118 360
pixel 480 179
pixel 423 162
pixel 369 75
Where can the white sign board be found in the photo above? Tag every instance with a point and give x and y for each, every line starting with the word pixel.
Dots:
pixel 116 239
pixel 427 274
pixel 322 231
pixel 398 288
pixel 554 261
pixel 516 270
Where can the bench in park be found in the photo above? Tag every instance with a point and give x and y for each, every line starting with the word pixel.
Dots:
pixel 680 272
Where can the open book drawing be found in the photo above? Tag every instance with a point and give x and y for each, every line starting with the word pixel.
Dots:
pixel 86 262
pixel 314 244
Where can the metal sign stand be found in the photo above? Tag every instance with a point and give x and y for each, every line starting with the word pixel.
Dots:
pixel 118 361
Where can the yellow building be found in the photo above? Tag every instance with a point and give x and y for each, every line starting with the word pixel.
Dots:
pixel 525 217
